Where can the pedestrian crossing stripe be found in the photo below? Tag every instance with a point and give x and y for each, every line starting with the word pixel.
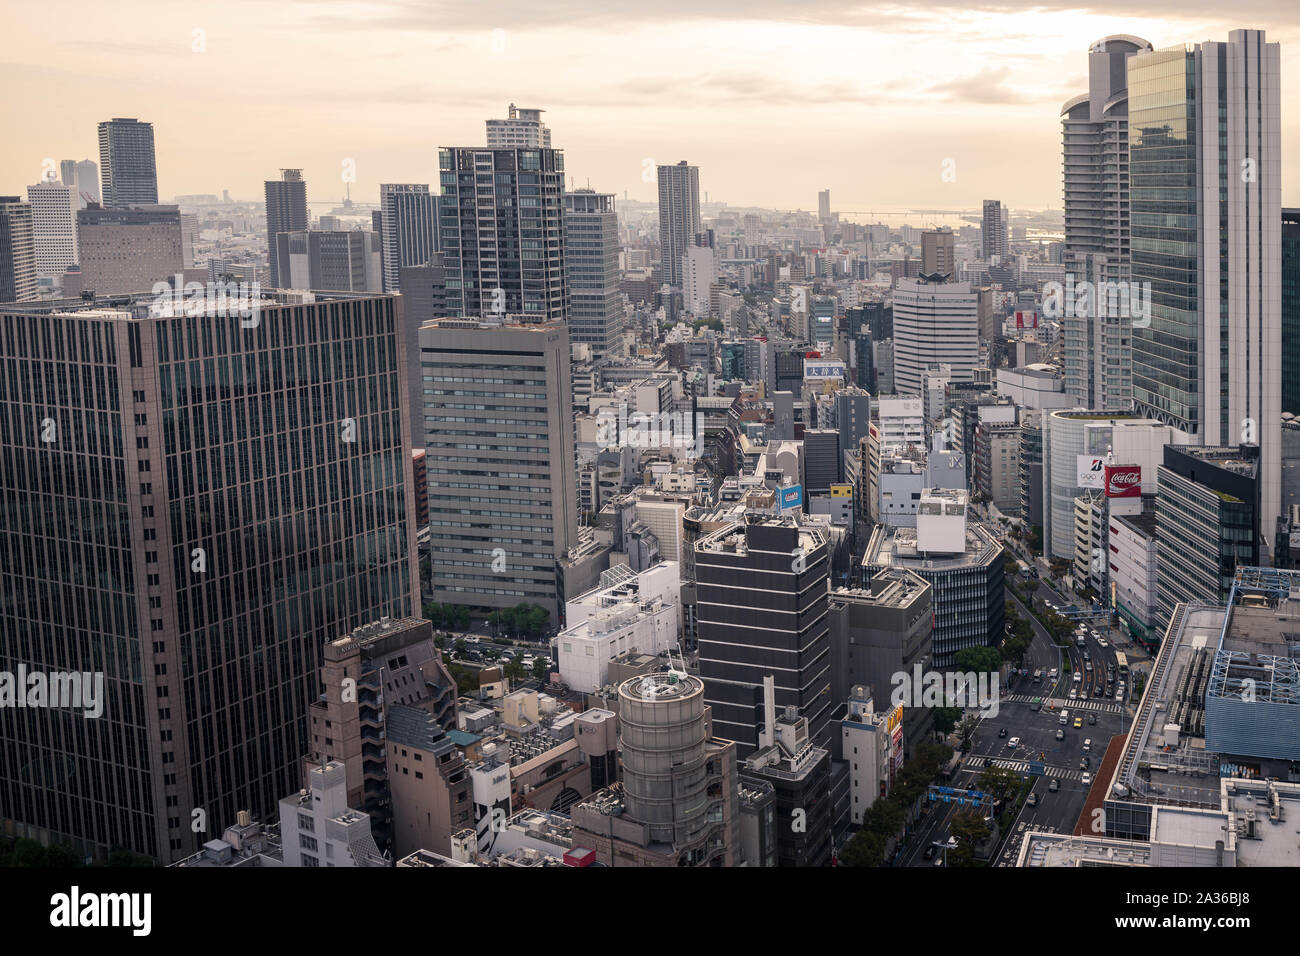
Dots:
pixel 1020 766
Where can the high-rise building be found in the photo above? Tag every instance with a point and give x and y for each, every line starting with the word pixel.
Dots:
pixel 679 216
pixel 501 232
pixel 127 164
pixel 410 229
pixel 591 269
pixel 83 177
pixel 762 590
pixel 993 231
pixel 1098 347
pixel 424 291
pixel 328 261
pixel 128 250
pixel 1208 516
pixel 522 129
pixel 502 497
pixel 1205 167
pixel 963 562
pixel 54 227
pixel 286 211
pixel 935 323
pixel 938 253
pixel 824 204
pixel 17 251
pixel 209 564
pixel 699 272
pixel 1291 311
pixel 678 803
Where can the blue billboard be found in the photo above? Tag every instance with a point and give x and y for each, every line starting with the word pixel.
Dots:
pixel 791 496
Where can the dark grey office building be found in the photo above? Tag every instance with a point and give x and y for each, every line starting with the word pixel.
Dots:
pixel 409 236
pixel 879 631
pixel 194 506
pixel 1208 519
pixel 501 232
pixel 1291 312
pixel 821 466
pixel 286 211
pixel 424 291
pixel 17 251
pixel 328 261
pixel 762 590
pixel 128 169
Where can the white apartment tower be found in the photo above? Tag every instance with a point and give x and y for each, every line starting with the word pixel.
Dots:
pixel 54 227
pixel 934 323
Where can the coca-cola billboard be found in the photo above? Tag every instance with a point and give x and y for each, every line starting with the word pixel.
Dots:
pixel 1123 481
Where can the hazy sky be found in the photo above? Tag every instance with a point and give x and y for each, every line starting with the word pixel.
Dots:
pixel 773 101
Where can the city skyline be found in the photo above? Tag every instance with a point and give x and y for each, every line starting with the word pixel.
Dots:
pixel 969 86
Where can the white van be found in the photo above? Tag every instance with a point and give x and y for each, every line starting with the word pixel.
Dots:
pixel 1087 744
pixel 1065 717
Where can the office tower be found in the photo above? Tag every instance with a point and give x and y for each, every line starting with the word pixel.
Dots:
pixel 678 804
pixel 409 214
pixel 128 250
pixel 1208 516
pixel 993 231
pixel 54 227
pixel 762 611
pixel 502 497
pixel 934 323
pixel 852 417
pixel 286 211
pixel 17 251
pixel 679 217
pixel 821 460
pixel 127 164
pixel 328 261
pixel 962 561
pixel 1291 311
pixel 83 177
pixel 591 270
pixel 522 129
pixel 189 233
pixel 424 291
pixel 319 829
pixel 221 560
pixel 1031 467
pixel 501 232
pixel 1098 349
pixel 824 205
pixel 699 272
pixel 1205 167
pixel 799 772
pixel 938 253
pixel 997 464
pixel 880 630
pixel 389 662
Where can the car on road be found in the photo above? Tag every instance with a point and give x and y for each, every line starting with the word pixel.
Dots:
pixel 1013 743
pixel 1098 692
pixel 1092 720
pixel 1032 800
pixel 1078 722
pixel 931 851
pixel 1060 735
pixel 1002 733
pixel 1037 705
pixel 1101 642
pixel 1073 693
pixel 1054 786
pixel 1086 779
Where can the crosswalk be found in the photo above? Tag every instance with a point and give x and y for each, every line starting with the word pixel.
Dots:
pixel 1021 766
pixel 1082 703
pixel 1011 850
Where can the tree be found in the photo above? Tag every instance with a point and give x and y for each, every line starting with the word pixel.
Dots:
pixel 978 659
pixel 1000 782
pixel 865 849
pixel 945 718
pixel 541 668
pixel 968 829
pixel 514 670
pixel 460 646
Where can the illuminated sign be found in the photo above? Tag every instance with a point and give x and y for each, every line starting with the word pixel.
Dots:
pixel 1123 481
pixel 791 497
